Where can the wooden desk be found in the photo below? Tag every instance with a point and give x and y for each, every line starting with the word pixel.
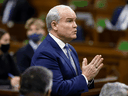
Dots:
pixel 7 91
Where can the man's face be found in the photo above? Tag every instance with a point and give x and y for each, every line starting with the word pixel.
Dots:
pixel 66 27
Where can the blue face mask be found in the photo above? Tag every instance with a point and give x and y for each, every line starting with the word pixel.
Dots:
pixel 35 37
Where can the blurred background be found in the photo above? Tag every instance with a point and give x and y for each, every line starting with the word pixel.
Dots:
pixel 100 31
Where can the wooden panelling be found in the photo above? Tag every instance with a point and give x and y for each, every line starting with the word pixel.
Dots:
pixel 43 6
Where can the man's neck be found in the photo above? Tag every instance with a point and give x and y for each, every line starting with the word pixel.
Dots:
pixel 54 34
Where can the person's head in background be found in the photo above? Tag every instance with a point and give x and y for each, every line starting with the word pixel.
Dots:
pixel 35 29
pixel 61 23
pixel 4 41
pixel 36 80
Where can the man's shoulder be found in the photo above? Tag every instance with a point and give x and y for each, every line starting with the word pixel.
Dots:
pixel 45 46
pixel 46 43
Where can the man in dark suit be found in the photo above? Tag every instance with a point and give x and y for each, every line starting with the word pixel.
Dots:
pixel 17 11
pixel 68 79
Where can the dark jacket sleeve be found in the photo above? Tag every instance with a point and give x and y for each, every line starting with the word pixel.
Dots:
pixel 14 69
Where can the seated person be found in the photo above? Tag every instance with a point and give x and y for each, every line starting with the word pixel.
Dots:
pixel 35 32
pixel 114 89
pixel 36 81
pixel 7 64
pixel 119 19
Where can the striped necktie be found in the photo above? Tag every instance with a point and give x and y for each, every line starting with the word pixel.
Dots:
pixel 70 57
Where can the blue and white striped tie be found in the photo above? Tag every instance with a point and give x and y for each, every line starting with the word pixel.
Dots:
pixel 70 57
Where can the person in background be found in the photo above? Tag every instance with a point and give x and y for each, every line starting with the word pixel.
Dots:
pixel 7 65
pixel 119 20
pixel 61 58
pixel 35 32
pixel 36 81
pixel 114 89
pixel 16 11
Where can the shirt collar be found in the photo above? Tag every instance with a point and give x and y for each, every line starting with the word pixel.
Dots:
pixel 33 45
pixel 58 41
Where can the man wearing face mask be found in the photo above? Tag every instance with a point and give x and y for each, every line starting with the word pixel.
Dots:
pixel 35 32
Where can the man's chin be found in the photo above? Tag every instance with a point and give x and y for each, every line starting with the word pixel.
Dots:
pixel 74 37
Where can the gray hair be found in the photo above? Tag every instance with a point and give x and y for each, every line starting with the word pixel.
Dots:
pixel 36 79
pixel 53 15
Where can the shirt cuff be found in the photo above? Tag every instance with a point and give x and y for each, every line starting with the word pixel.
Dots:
pixel 85 79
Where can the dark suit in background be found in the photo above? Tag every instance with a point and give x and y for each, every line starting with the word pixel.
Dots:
pixel 21 12
pixel 24 56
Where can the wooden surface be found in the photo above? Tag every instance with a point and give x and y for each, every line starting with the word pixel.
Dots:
pixel 7 91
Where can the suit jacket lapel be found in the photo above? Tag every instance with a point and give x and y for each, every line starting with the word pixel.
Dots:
pixel 60 52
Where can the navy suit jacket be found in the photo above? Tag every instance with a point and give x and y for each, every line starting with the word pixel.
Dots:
pixel 24 56
pixel 65 80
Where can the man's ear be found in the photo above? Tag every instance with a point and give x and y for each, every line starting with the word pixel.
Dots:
pixel 54 25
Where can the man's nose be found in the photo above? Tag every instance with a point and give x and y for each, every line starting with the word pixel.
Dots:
pixel 74 25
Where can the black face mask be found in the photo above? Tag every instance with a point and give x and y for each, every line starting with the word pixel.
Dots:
pixel 5 47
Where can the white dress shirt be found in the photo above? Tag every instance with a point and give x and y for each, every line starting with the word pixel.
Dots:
pixel 33 45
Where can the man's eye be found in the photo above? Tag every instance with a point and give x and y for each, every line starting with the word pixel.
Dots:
pixel 69 20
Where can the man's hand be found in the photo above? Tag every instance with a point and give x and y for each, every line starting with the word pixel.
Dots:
pixel 91 70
